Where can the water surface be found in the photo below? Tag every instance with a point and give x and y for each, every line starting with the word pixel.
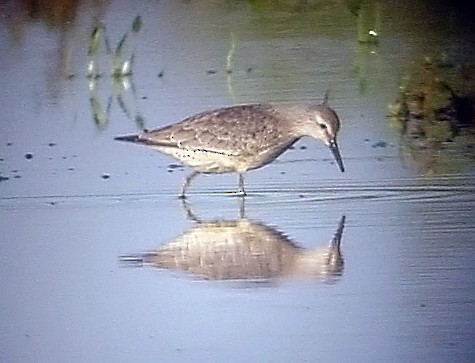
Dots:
pixel 73 201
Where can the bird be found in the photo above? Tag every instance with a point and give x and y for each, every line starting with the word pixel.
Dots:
pixel 242 137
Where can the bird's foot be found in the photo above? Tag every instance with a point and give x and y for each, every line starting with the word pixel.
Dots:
pixel 240 193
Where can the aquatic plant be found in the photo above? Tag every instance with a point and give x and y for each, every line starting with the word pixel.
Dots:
pixel 434 101
pixel 121 57
pixel 92 51
pixel 368 21
pixel 435 111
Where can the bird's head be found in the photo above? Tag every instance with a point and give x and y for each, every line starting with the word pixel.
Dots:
pixel 322 123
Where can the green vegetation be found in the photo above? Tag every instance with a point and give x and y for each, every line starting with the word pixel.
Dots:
pixel 435 110
pixel 121 58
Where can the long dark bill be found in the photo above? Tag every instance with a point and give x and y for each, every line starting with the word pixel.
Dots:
pixel 336 154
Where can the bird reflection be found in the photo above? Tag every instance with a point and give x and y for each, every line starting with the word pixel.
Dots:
pixel 242 249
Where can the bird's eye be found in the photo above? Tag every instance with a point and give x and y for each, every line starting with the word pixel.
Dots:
pixel 323 126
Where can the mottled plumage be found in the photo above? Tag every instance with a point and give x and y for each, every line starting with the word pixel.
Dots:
pixel 241 138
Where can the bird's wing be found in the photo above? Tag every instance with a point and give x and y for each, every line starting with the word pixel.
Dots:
pixel 231 131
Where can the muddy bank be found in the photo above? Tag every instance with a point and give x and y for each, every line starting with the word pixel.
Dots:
pixel 435 110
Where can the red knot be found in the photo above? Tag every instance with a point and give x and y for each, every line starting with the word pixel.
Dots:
pixel 241 138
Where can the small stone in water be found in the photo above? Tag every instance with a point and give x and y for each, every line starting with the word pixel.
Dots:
pixel 379 144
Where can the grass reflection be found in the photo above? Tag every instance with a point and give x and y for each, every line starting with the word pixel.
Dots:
pixel 123 93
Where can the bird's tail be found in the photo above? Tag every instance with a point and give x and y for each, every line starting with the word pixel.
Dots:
pixel 128 138
pixel 137 259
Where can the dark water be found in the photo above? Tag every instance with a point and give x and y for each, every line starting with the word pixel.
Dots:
pixel 101 262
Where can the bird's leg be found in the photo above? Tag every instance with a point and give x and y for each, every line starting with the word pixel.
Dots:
pixel 242 208
pixel 189 212
pixel 187 183
pixel 241 192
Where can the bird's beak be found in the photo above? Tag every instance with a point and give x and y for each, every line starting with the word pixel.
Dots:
pixel 336 154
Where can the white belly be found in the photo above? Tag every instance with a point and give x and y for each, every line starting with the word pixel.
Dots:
pixel 203 161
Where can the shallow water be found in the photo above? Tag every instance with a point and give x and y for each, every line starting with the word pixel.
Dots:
pixel 243 284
